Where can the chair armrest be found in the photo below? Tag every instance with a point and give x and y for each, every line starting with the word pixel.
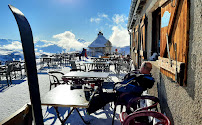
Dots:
pixel 116 84
pixel 77 70
pixel 123 116
pixel 51 72
pixel 55 78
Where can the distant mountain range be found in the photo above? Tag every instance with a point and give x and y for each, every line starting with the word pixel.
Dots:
pixel 51 49
pixel 81 40
pixel 6 41
pixel 41 47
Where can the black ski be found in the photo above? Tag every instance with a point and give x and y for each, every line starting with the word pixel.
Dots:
pixel 30 62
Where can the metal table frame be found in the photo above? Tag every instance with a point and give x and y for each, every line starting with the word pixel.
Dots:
pixel 74 98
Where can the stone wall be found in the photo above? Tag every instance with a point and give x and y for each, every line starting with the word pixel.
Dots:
pixel 183 104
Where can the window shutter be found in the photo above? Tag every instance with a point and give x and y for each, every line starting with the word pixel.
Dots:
pixel 177 31
pixel 136 46
pixel 143 25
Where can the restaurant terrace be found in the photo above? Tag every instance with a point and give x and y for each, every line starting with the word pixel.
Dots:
pixel 59 88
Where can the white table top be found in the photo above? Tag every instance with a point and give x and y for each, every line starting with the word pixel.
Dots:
pixel 64 97
pixel 87 74
pixel 96 62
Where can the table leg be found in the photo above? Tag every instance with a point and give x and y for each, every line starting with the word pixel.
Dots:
pixel 86 122
pixel 64 120
pixel 58 114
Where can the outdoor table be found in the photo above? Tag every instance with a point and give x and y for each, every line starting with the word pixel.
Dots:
pixel 88 75
pixel 46 59
pixel 99 59
pixel 63 96
pixel 92 65
pixel 99 75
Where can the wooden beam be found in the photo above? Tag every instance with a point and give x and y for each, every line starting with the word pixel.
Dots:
pixel 162 2
pixel 165 64
pixel 23 116
pixel 170 28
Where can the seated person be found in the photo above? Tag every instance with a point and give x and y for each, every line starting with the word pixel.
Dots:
pixel 133 85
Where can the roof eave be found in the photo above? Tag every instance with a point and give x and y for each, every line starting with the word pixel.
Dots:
pixel 135 8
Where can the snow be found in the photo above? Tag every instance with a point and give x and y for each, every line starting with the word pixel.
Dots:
pixel 100 41
pixel 17 95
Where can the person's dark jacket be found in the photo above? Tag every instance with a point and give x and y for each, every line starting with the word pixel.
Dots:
pixel 134 82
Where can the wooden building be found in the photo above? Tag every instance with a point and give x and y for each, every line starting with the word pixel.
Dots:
pixel 100 46
pixel 172 29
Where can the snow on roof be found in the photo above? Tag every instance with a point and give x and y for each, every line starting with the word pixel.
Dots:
pixel 100 41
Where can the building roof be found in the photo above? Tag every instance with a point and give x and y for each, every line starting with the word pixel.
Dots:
pixel 100 41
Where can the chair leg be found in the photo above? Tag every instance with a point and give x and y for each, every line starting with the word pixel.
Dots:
pixel 7 80
pixel 10 79
pixel 21 73
pixel 15 74
pixel 114 114
pixel 121 108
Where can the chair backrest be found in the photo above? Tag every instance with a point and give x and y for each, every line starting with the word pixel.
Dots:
pixel 99 65
pixel 161 119
pixel 55 77
pixel 73 64
pixel 58 74
pixel 135 103
pixel 17 65
pixel 10 68
pixel 8 62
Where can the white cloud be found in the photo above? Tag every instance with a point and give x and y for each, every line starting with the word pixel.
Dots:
pixel 16 45
pixel 117 18
pixel 96 20
pixel 119 37
pixel 45 41
pixel 100 17
pixel 103 15
pixel 68 41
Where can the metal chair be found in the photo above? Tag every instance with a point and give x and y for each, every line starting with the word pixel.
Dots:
pixel 7 71
pixel 17 67
pixel 55 78
pixel 134 104
pixel 74 67
pixel 107 67
pixel 141 118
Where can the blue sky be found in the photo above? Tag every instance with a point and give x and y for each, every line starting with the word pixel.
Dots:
pixel 62 22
